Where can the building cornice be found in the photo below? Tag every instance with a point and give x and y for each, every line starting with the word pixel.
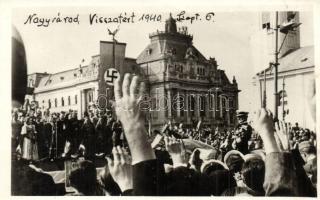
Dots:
pixel 304 70
pixel 70 84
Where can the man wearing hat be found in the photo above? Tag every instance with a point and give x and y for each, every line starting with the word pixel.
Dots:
pixel 243 132
pixel 62 127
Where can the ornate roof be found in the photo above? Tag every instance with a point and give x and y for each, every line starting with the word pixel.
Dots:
pixel 165 48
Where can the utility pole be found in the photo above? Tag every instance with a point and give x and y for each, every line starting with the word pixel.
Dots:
pixel 283 96
pixel 284 28
pixel 276 63
pixel 264 100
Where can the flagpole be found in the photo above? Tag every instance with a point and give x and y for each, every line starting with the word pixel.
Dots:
pixel 113 52
pixel 264 103
pixel 276 70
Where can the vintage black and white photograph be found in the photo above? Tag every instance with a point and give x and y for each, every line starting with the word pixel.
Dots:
pixel 163 101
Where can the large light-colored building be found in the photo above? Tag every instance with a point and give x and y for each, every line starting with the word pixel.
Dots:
pixel 295 73
pixel 192 85
pixel 184 86
pixel 75 89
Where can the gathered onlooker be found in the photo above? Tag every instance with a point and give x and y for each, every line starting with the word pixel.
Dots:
pixel 84 180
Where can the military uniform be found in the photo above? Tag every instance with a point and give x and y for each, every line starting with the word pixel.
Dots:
pixel 244 132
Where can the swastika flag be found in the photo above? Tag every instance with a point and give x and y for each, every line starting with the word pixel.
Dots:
pixel 111 75
pixel 106 62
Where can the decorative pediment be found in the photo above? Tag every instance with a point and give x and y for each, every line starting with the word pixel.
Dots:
pixel 213 62
pixel 191 53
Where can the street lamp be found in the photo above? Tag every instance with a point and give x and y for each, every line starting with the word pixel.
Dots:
pixel 284 28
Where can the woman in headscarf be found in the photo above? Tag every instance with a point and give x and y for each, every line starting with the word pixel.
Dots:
pixel 29 147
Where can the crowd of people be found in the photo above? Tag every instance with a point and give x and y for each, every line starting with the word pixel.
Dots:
pixel 271 158
pixel 173 161
pixel 41 135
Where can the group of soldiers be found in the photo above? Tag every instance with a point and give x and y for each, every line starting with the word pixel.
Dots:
pixel 63 135
pixel 241 137
pixel 58 135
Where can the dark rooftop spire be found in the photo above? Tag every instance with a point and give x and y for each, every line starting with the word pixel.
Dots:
pixel 171 26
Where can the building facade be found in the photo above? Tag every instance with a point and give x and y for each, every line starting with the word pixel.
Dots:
pixel 183 86
pixel 295 74
pixel 75 89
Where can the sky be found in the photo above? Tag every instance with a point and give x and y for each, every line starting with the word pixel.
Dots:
pixel 227 36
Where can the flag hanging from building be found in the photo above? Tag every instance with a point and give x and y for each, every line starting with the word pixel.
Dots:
pixel 106 60
pixel 112 55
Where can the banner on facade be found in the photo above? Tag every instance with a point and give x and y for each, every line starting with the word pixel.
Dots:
pixel 107 48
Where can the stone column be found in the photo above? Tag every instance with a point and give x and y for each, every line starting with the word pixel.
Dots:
pixel 178 105
pixel 84 101
pixel 228 111
pixel 187 108
pixel 169 99
pixel 80 103
pixel 207 107
pixel 216 102
pixel 197 106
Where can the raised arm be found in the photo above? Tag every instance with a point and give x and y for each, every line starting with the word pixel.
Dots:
pixel 128 98
pixel 280 178
pixel 147 175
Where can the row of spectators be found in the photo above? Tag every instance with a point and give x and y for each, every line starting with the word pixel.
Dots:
pixel 44 135
pixel 178 161
pixel 285 165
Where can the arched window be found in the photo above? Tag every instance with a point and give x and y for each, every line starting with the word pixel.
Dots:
pixel 218 102
pixel 69 101
pixel 192 102
pixel 62 101
pixel 211 102
pixel 231 103
pixel 49 103
pixel 55 102
pixel 223 103
pixel 202 106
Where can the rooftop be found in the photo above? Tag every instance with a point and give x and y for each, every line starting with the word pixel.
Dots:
pixel 298 59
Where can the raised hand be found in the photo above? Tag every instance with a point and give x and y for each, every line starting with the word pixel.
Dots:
pixel 195 161
pixel 120 168
pixel 128 100
pixel 176 151
pixel 128 112
pixel 264 122
pixel 282 136
pixel 265 127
